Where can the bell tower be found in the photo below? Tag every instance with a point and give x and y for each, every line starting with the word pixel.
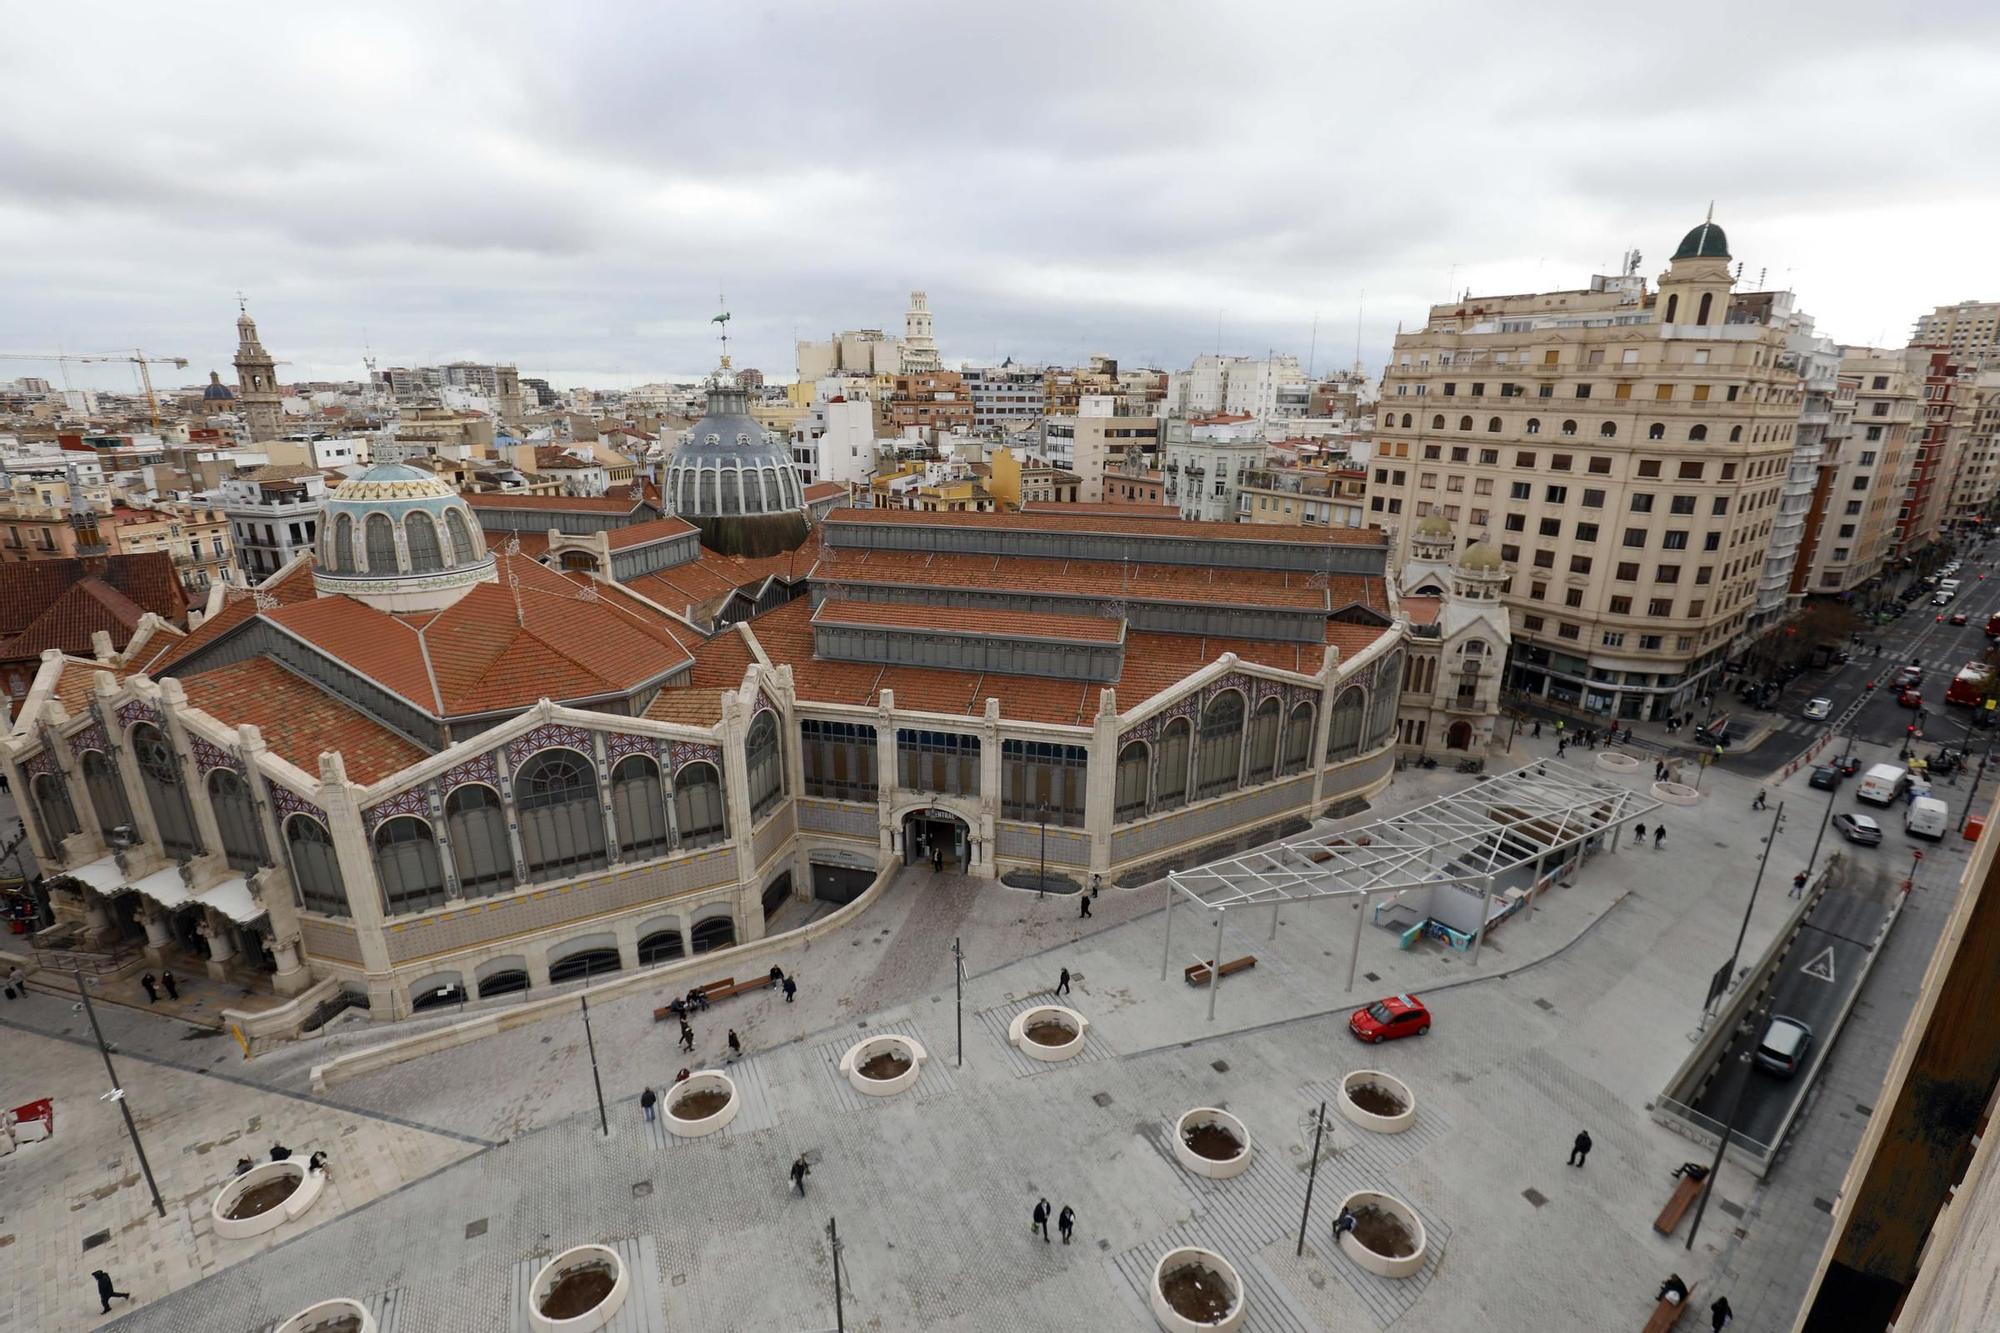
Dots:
pixel 256 379
pixel 1694 292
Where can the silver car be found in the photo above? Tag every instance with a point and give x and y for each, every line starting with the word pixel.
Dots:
pixel 1783 1050
pixel 1858 829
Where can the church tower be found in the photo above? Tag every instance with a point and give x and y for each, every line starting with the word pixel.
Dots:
pixel 920 353
pixel 256 380
pixel 1694 292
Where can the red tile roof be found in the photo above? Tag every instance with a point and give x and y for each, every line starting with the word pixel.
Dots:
pixel 299 720
pixel 1421 610
pixel 691 588
pixel 819 490
pixel 76 682
pixel 534 545
pixel 694 707
pixel 61 603
pixel 1067 521
pixel 721 662
pixel 1107 509
pixel 554 504
pixel 965 620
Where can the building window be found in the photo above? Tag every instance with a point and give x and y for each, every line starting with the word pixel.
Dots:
pixel 1579 564
pixel 1524 460
pixel 476 823
pixel 1493 425
pixel 1656 431
pixel 1298 740
pixel 407 866
pixel 1263 744
pixel 1697 434
pixel 381 535
pixel 562 823
pixel 339 551
pixel 1534 426
pixel 839 760
pixel 1343 733
pixel 107 795
pixel 1621 606
pixel 1586 532
pixel 55 813
pixel 1559 462
pixel 1135 763
pixel 939 761
pixel 1551 527
pixel 1673 306
pixel 639 809
pixel 422 535
pixel 1220 755
pixel 764 761
pixel 1038 777
pixel 1569 428
pixel 1649 467
pixel 699 811
pixel 1628 571
pixel 1170 787
pixel 1701 393
pixel 316 867
pixel 236 820
pixel 1465 423
pixel 160 778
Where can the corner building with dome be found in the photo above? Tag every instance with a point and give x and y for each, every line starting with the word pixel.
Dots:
pixel 479 745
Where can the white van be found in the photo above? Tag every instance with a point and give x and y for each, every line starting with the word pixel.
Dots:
pixel 1881 784
pixel 1927 817
pixel 1949 585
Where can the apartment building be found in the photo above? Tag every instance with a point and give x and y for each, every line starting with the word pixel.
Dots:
pixel 857 352
pixel 1969 330
pixel 1293 495
pixel 1205 461
pixel 1932 466
pixel 1806 567
pixel 1273 389
pixel 934 402
pixel 1977 424
pixel 1625 449
pixel 1868 503
pixel 273 514
pixel 1004 395
pixel 1098 439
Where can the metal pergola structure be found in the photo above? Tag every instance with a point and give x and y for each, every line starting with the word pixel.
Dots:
pixel 1494 825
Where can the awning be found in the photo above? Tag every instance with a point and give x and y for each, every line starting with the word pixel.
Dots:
pixel 102 874
pixel 163 887
pixel 232 898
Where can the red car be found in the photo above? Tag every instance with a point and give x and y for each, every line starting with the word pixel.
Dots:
pixel 1911 699
pixel 1958 618
pixel 1385 1020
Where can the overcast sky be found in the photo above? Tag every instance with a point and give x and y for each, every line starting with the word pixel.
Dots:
pixel 570 186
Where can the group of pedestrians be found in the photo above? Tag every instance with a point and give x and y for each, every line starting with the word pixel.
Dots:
pixel 152 985
pixel 1065 1221
pixel 1659 835
pixel 1673 1287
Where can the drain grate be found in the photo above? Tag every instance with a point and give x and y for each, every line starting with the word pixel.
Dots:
pixel 1536 1197
pixel 95 1239
pixel 1220 1066
pixel 1544 1004
pixel 1735 1210
pixel 473 1230
pixel 1101 1098
pixel 1824 1205
pixel 1371 976
pixel 643 1190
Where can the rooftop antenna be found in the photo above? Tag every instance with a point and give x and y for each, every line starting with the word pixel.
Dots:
pixel 1760 278
pixel 1312 348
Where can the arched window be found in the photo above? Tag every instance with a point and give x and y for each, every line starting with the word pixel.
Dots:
pixel 52 804
pixel 1657 431
pixel 1170 764
pixel 1382 709
pixel 1534 426
pixel 1134 762
pixel 1736 434
pixel 160 776
pixel 766 764
pixel 732 491
pixel 476 823
pixel 1493 425
pixel 407 866
pixel 1220 756
pixel 1406 421
pixel 107 795
pixel 661 946
pixel 464 550
pixel 1707 301
pixel 236 820
pixel 381 535
pixel 562 824
pixel 698 805
pixel 1569 428
pixel 1465 423
pixel 1264 741
pixel 718 932
pixel 315 867
pixel 1343 730
pixel 1388 420
pixel 1697 434
pixel 1607 430
pixel 639 809
pixel 707 482
pixel 340 551
pixel 1437 422
pixel 1673 304
pixel 1298 740
pixel 421 535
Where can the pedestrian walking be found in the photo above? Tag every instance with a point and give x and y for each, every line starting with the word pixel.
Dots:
pixel 1639 832
pixel 152 985
pixel 1538 728
pixel 1579 1149
pixel 1758 804
pixel 937 860
pixel 647 1101
pixel 105 1291
pixel 1066 1222
pixel 687 1036
pixel 1085 899
pixel 1041 1222
pixel 1720 1315
pixel 1659 835
pixel 1096 882
pixel 799 1173
pixel 1062 986
pixel 1799 885
pixel 1562 745
pixel 735 1046
pixel 173 987
pixel 791 989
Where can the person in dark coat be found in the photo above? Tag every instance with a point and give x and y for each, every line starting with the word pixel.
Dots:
pixel 1720 1314
pixel 1639 832
pixel 1041 1220
pixel 1580 1149
pixel 1659 835
pixel 799 1173
pixel 1084 898
pixel 1062 984
pixel 687 1036
pixel 777 976
pixel 937 859
pixel 1066 1222
pixel 791 989
pixel 735 1046
pixel 647 1101
pixel 279 1152
pixel 1673 1288
pixel 152 986
pixel 105 1291
pixel 173 987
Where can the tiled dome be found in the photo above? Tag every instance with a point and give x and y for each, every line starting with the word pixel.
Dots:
pixel 401 539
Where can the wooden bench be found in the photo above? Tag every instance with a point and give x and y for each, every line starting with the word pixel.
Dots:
pixel 1197 973
pixel 713 991
pixel 1666 1314
pixel 1684 1195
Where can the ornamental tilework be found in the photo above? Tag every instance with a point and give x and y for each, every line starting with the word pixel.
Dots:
pixel 91 737
pixel 480 768
pixel 40 762
pixel 412 802
pixel 138 710
pixel 1149 730
pixel 688 752
pixel 1235 680
pixel 546 737
pixel 208 756
pixel 763 702
pixel 288 802
pixel 618 744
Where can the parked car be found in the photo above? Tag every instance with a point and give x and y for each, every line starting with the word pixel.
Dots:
pixel 1826 777
pixel 1848 765
pixel 1783 1050
pixel 1859 829
pixel 1958 617
pixel 1818 709
pixel 1388 1019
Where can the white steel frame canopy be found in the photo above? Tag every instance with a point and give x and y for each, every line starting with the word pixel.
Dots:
pixel 1492 826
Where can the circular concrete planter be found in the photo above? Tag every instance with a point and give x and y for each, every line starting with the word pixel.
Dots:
pixel 579 1259
pixel 1213 1168
pixel 1616 762
pixel 1189 1256
pixel 1676 793
pixel 305 1191
pixel 691 1127
pixel 890 1043
pixel 1389 1083
pixel 1017 1031
pixel 339 1315
pixel 1383 1265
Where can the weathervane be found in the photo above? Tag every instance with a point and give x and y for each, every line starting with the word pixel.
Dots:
pixel 723 320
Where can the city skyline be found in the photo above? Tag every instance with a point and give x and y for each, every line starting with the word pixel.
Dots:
pixel 572 201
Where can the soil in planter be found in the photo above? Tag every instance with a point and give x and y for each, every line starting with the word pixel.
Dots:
pixel 1380 1230
pixel 1213 1142
pixel 340 1323
pixel 1196 1293
pixel 699 1105
pixel 579 1291
pixel 1048 1032
pixel 1377 1100
pixel 261 1199
pixel 889 1064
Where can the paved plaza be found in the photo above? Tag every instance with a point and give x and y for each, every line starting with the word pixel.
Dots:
pixel 469 1164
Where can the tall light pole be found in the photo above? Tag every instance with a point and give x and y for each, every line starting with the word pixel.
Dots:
pixel 1777 822
pixel 1042 875
pixel 833 1243
pixel 603 1122
pixel 958 984
pixel 117 1093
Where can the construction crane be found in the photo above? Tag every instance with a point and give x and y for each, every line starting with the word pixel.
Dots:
pixel 135 357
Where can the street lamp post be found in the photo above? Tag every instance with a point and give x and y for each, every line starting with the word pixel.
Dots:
pixel 958 985
pixel 833 1244
pixel 1042 875
pixel 1777 822
pixel 117 1093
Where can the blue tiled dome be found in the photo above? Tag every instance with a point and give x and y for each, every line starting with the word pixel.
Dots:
pixel 400 538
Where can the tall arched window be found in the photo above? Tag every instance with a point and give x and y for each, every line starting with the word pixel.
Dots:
pixel 421 534
pixel 340 550
pixel 1437 422
pixel 1406 421
pixel 1298 740
pixel 1465 423
pixel 1170 786
pixel 160 776
pixel 562 824
pixel 1493 425
pixel 1382 709
pixel 639 809
pixel 1343 730
pixel 1736 434
pixel 1220 757
pixel 476 822
pixel 236 820
pixel 1707 302
pixel 1129 802
pixel 315 867
pixel 1534 426
pixel 732 493
pixel 464 549
pixel 1673 305
pixel 107 795
pixel 381 538
pixel 698 811
pixel 52 806
pixel 1264 741
pixel 407 866
pixel 766 763
pixel 1696 434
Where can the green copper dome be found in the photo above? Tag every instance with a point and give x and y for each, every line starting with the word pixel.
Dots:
pixel 1704 242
